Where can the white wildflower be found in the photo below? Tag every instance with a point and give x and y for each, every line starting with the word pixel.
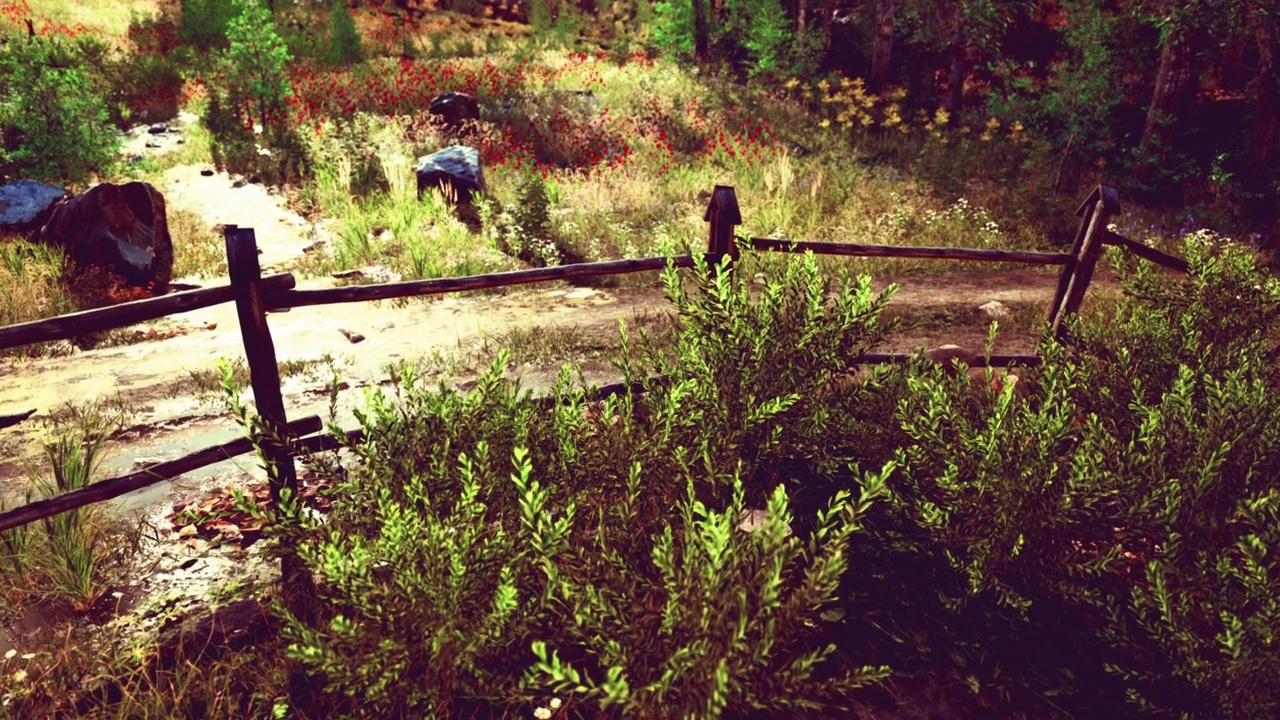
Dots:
pixel 555 703
pixel 9 655
pixel 542 713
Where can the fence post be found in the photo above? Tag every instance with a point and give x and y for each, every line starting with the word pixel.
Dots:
pixel 296 584
pixel 723 216
pixel 1095 214
pixel 260 351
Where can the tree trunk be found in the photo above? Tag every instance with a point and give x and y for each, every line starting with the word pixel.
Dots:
pixel 1264 137
pixel 700 41
pixel 955 76
pixel 882 45
pixel 802 9
pixel 1171 101
pixel 828 21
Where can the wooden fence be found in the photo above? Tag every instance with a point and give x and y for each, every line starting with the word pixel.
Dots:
pixel 281 440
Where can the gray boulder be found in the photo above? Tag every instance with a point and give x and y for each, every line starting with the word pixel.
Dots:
pixel 455 170
pixel 455 108
pixel 123 228
pixel 25 205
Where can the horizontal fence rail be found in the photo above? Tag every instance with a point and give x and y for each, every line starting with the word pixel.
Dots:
pixel 411 288
pixel 1146 252
pixel 903 251
pixel 65 327
pixel 150 475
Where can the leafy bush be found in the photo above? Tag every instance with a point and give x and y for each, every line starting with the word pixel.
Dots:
pixel 145 87
pixel 1111 519
pixel 56 127
pixel 503 592
pixel 204 23
pixel 673 26
pixel 533 239
pixel 251 101
pixel 344 40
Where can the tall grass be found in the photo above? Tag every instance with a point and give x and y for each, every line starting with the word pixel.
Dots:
pixel 69 558
pixel 31 287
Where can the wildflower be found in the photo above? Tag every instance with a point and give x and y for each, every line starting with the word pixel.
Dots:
pixel 542 713
pixel 825 123
pixel 21 675
pixel 790 84
pixel 555 703
pixel 28 656
pixel 9 655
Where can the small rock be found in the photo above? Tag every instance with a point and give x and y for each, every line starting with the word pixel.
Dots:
pixel 181 141
pixel 158 129
pixel 317 245
pixel 950 356
pixel 153 145
pixel 353 337
pixel 994 310
pixel 206 172
pixel 754 519
pixel 144 462
pixel 255 180
pixel 239 183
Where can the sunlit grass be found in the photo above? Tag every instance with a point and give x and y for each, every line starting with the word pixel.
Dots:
pixel 110 17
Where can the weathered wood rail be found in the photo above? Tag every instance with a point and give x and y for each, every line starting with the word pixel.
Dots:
pixel 280 440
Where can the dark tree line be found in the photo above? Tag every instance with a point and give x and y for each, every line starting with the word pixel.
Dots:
pixel 1179 95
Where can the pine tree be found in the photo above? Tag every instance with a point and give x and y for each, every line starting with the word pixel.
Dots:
pixel 344 40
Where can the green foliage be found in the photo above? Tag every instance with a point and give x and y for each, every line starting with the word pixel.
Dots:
pixel 204 23
pixel 434 596
pixel 766 360
pixel 254 95
pixel 1119 507
pixel 257 59
pixel 344 41
pixel 56 127
pixel 69 559
pixel 533 238
pixel 735 633
pixel 572 575
pixel 768 35
pixel 673 26
pixel 1072 109
pixel 541 18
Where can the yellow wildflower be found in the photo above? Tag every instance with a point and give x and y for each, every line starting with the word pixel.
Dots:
pixel 825 123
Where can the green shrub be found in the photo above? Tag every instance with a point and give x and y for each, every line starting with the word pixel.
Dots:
pixel 254 94
pixel 533 239
pixel 673 26
pixel 443 586
pixel 204 23
pixel 56 128
pixel 344 41
pixel 1096 537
